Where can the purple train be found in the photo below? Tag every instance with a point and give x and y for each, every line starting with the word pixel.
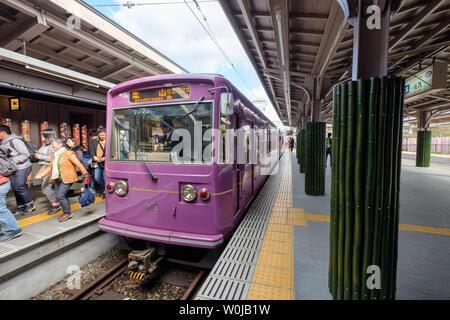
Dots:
pixel 174 174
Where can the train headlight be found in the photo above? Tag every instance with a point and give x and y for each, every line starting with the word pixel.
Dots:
pixel 204 194
pixel 121 187
pixel 110 187
pixel 188 193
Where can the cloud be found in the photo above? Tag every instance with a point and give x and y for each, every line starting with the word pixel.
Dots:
pixel 173 30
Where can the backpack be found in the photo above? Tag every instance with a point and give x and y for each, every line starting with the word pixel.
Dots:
pixel 7 167
pixel 31 147
pixel 86 158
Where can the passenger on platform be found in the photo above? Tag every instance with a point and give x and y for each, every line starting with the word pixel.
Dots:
pixel 72 145
pixel 328 142
pixel 92 150
pixel 291 144
pixel 8 223
pixel 124 145
pixel 99 158
pixel 62 174
pixel 44 155
pixel 15 149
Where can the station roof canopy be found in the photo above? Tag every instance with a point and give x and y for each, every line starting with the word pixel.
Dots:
pixel 313 39
pixel 92 44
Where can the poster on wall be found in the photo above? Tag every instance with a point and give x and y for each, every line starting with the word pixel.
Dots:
pixel 63 130
pixel 84 137
pixel 43 125
pixel 76 132
pixel 6 122
pixel 25 130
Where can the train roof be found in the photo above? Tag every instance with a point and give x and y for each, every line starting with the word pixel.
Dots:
pixel 216 78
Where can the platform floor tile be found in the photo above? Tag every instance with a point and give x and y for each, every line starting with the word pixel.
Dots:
pixel 262 292
pixel 281 278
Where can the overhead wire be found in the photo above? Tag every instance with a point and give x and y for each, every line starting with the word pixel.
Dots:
pixel 211 35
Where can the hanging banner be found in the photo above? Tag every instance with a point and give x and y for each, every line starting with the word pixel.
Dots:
pixel 84 137
pixel 42 126
pixel 63 130
pixel 25 130
pixel 76 132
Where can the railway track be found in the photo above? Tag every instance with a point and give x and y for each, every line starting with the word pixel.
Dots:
pixel 100 288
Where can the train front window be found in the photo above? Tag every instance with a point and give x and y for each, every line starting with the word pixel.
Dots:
pixel 152 133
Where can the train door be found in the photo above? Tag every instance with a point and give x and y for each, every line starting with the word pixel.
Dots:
pixel 237 167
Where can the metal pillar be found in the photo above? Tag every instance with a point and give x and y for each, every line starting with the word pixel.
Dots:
pixel 370 46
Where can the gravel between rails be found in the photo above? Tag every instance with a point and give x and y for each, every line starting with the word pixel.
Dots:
pixel 152 289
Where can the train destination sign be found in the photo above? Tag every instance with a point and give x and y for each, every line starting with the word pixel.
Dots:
pixel 160 94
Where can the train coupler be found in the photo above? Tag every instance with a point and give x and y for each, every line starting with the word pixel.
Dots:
pixel 143 263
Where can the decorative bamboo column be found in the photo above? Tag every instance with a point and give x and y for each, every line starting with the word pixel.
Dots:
pixel 302 151
pixel 423 148
pixel 315 158
pixel 367 126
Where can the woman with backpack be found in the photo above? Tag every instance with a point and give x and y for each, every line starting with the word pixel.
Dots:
pixel 44 155
pixel 16 151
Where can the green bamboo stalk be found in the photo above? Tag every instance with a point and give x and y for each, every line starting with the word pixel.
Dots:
pixel 341 226
pixel 379 180
pixel 388 158
pixel 370 183
pixel 357 235
pixel 397 200
pixel 335 179
pixel 396 145
pixel 349 189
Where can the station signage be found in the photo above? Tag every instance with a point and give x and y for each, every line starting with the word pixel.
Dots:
pixel 428 81
pixel 14 104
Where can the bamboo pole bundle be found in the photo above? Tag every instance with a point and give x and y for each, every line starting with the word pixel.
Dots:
pixel 367 127
pixel 302 151
pixel 423 153
pixel 315 158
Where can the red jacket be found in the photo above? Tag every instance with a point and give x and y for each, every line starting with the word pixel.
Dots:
pixel 3 180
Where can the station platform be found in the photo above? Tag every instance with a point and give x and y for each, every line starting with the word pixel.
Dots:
pixel 45 239
pixel 280 249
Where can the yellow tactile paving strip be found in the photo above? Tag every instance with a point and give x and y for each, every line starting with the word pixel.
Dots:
pixel 274 274
pixel 402 226
pixel 44 216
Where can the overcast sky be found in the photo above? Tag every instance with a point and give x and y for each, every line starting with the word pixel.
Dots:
pixel 173 30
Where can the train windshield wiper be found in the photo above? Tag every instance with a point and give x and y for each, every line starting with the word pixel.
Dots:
pixel 120 124
pixel 145 165
pixel 197 104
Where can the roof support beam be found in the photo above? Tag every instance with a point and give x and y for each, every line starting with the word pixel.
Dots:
pixel 280 21
pixel 335 30
pixel 246 13
pixel 26 31
pixel 416 21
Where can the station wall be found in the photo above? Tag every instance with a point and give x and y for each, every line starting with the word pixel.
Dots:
pixel 37 112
